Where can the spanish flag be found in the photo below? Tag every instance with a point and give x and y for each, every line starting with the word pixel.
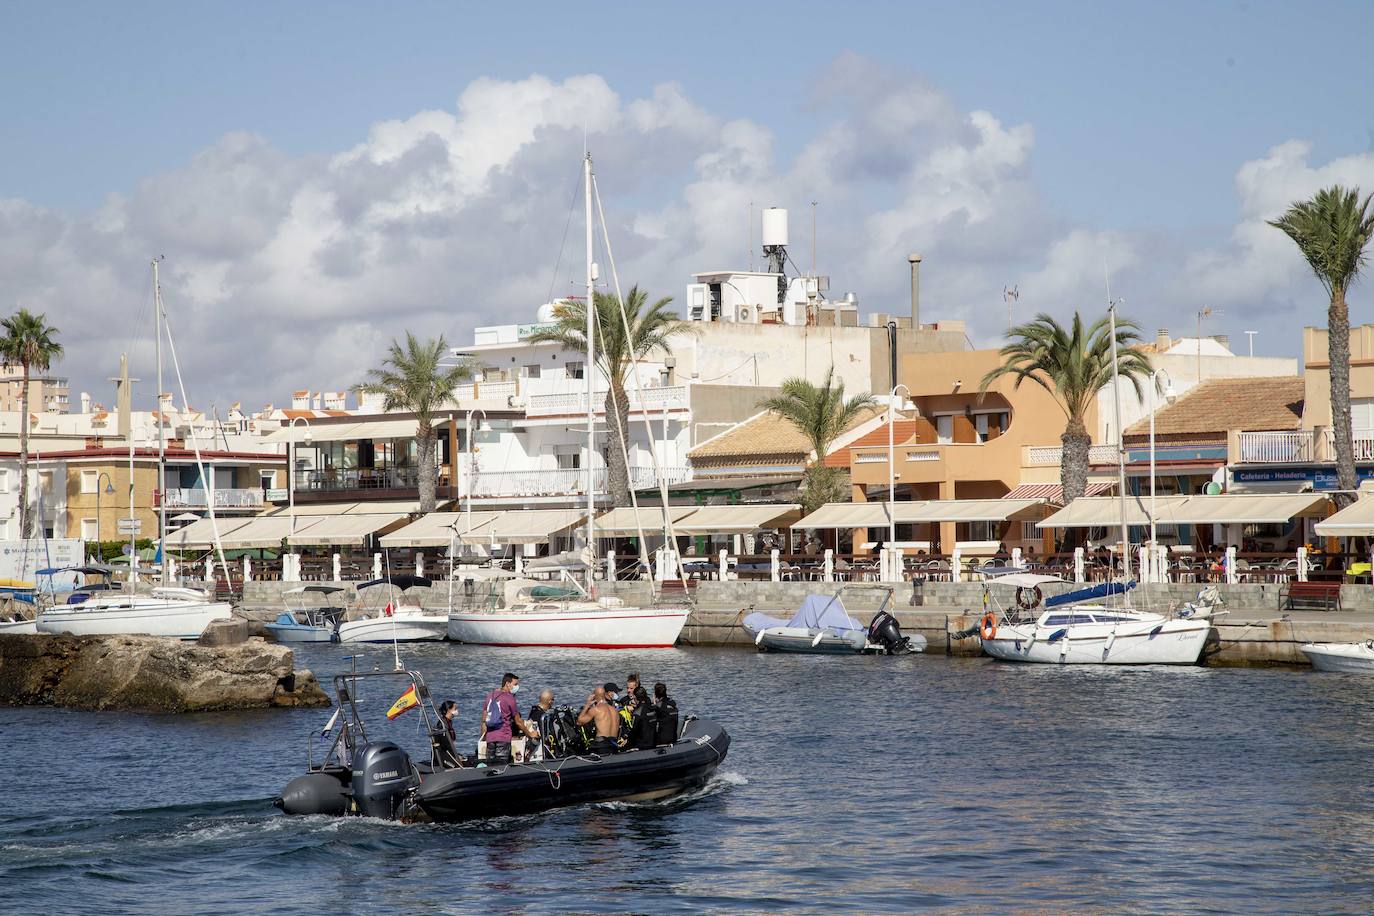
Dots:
pixel 403 702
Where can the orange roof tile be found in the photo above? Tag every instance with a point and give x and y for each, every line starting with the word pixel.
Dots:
pixel 1221 404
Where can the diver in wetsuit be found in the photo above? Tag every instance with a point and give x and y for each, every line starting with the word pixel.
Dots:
pixel 666 709
pixel 643 722
pixel 602 713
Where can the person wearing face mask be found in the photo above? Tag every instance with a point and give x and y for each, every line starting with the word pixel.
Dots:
pixel 500 718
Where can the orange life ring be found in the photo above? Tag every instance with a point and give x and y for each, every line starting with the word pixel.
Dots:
pixel 987 627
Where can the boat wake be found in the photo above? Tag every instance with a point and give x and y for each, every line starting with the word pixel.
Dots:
pixel 718 784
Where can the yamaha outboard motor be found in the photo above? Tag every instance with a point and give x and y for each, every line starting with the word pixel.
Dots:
pixel 382 775
pixel 885 632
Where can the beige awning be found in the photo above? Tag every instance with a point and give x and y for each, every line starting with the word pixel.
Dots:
pixel 337 432
pixel 527 526
pixel 202 533
pixel 1227 509
pixel 621 522
pixel 434 529
pixel 384 506
pixel 916 511
pixel 340 530
pixel 1354 520
pixel 266 531
pixel 737 519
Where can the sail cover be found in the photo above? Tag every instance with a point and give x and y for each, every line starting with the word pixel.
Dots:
pixel 1088 594
pixel 821 611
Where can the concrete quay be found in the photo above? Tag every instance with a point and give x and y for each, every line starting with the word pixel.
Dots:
pixel 1254 631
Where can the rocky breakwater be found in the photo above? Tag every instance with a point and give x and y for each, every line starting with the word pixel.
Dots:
pixel 151 674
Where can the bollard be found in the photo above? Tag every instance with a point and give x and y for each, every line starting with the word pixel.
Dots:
pixel 209 567
pixel 829 569
pixel 777 565
pixel 338 569
pixel 376 566
pixel 1079 566
pixel 1302 564
pixel 419 563
pixel 247 569
pixel 1230 561
pixel 519 563
pixel 724 565
pixel 610 566
pixel 956 566
pixel 1016 557
pixel 1143 561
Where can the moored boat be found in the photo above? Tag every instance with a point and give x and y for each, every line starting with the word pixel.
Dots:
pixel 182 613
pixel 583 624
pixel 401 620
pixel 308 624
pixel 822 626
pixel 1350 657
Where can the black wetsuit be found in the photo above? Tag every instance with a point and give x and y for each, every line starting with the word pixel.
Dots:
pixel 643 727
pixel 666 720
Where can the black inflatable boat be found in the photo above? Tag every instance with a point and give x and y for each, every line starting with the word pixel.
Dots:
pixel 377 778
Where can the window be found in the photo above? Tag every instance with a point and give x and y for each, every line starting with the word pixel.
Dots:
pixel 4 480
pixel 90 482
pixel 977 531
pixel 530 371
pixel 4 529
pixel 568 461
pixel 944 429
pixel 574 370
pixel 90 530
pixel 1029 532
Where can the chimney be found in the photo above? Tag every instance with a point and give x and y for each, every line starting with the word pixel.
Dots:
pixel 914 260
pixel 85 402
pixel 1162 340
pixel 1223 339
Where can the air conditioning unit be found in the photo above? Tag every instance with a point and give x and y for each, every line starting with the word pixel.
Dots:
pixel 744 314
pixel 515 400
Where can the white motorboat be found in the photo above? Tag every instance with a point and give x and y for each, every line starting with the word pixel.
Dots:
pixel 182 613
pixel 307 623
pixel 18 626
pixel 822 626
pixel 1352 657
pixel 400 620
pixel 1075 629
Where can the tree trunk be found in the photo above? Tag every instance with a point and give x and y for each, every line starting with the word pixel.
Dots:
pixel 1073 461
pixel 427 471
pixel 25 513
pixel 617 444
pixel 1338 358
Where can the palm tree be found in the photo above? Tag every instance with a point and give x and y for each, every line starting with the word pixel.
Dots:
pixel 414 379
pixel 650 326
pixel 29 343
pixel 1331 230
pixel 1073 364
pixel 820 413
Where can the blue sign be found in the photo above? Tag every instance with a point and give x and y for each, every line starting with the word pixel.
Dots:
pixel 1321 478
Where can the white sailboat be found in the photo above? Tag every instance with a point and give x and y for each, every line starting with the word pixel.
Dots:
pixel 182 613
pixel 585 621
pixel 1076 629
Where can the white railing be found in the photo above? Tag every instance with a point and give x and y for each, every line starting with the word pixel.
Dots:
pixel 871 457
pixel 1278 447
pixel 1039 455
pixel 575 402
pixel 565 481
pixel 1364 444
pixel 495 391
pixel 926 455
pixel 185 498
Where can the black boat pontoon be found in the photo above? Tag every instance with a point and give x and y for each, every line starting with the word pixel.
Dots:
pixel 376 778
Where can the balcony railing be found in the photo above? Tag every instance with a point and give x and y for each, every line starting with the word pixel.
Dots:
pixel 564 403
pixel 1278 447
pixel 1052 455
pixel 1364 444
pixel 187 498
pixel 358 479
pixel 566 481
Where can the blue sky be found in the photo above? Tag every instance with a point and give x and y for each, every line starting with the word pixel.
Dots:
pixel 1139 122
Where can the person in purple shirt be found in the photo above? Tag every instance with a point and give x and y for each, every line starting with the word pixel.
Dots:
pixel 500 718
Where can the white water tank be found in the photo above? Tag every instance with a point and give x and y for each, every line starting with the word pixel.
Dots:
pixel 774 226
pixel 545 314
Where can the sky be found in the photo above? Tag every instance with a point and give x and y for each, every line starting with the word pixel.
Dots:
pixel 321 178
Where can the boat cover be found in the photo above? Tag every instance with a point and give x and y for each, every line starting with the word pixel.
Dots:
pixel 1088 594
pixel 816 612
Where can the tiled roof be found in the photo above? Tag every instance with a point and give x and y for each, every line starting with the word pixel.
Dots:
pixel 764 433
pixel 902 432
pixel 1218 405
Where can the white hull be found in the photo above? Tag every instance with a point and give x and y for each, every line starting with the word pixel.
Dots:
pixel 300 634
pixel 399 628
pixel 1157 641
pixel 18 627
pixel 583 626
pixel 1353 657
pixel 809 640
pixel 133 616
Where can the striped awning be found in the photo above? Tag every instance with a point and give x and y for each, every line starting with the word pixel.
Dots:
pixel 1054 493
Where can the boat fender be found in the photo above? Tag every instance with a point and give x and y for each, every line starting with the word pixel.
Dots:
pixel 817 641
pixel 1058 635
pixel 1156 631
pixel 758 640
pixel 987 627
pixel 1028 599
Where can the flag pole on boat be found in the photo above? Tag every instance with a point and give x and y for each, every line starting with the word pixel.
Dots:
pixel 589 370
pixel 1120 448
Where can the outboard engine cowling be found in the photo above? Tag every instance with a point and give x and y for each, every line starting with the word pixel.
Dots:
pixel 884 631
pixel 382 775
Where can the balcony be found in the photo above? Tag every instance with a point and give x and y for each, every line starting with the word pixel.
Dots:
pixel 573 403
pixel 1052 455
pixel 336 480
pixel 1298 446
pixel 186 498
pixel 565 481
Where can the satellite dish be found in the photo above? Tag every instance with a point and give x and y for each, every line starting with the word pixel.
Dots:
pixel 1212 489
pixel 125 549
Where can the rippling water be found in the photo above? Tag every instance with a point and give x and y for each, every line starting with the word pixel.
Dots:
pixel 863 784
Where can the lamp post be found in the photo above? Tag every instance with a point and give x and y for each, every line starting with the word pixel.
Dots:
pixel 291 473
pixel 1170 396
pixel 109 488
pixel 892 472
pixel 472 470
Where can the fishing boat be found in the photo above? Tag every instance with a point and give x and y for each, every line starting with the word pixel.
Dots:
pixel 1079 628
pixel 308 623
pixel 822 626
pixel 1349 657
pixel 403 619
pixel 582 620
pixel 182 613
pixel 369 776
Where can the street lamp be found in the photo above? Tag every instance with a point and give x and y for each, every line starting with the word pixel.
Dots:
pixel 892 474
pixel 109 488
pixel 1170 396
pixel 472 470
pixel 291 472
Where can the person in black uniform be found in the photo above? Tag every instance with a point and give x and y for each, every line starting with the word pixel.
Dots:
pixel 643 721
pixel 665 715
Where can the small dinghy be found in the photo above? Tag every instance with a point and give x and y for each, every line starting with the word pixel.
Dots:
pixel 369 776
pixel 822 626
pixel 308 623
pixel 1352 657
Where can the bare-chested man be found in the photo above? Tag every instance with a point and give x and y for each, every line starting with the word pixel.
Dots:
pixel 602 712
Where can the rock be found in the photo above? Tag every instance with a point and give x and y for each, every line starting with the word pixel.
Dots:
pixel 151 674
pixel 229 632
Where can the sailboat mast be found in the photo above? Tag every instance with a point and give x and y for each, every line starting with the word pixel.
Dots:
pixel 591 385
pixel 161 435
pixel 1120 449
